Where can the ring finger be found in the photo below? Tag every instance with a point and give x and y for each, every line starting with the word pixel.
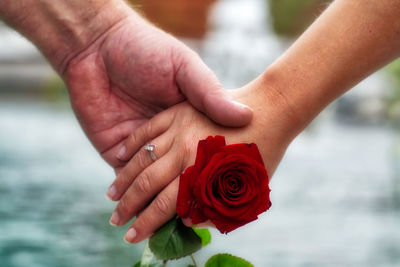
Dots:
pixel 140 161
pixel 148 184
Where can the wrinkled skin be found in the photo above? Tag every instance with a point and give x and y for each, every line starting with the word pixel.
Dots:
pixel 131 73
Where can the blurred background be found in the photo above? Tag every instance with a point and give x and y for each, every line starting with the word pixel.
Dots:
pixel 336 194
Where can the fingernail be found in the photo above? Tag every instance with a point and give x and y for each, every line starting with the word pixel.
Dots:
pixel 112 192
pixel 187 222
pixel 241 105
pixel 114 218
pixel 130 235
pixel 121 152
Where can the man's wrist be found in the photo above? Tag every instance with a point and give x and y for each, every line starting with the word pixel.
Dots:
pixel 62 29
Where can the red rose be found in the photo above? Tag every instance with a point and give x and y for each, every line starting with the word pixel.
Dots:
pixel 228 184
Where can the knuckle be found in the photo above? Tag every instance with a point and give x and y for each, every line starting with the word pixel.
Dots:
pixel 162 205
pixel 142 159
pixel 148 129
pixel 143 185
pixel 133 138
pixel 122 180
pixel 188 120
pixel 187 150
pixel 125 207
pixel 187 147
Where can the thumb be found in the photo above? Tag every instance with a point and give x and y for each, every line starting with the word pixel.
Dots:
pixel 204 91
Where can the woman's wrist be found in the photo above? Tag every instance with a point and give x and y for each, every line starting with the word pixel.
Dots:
pixel 62 29
pixel 271 110
pixel 327 61
pixel 284 91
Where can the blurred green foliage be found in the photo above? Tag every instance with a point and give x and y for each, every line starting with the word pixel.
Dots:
pixel 394 115
pixel 394 100
pixel 292 17
pixel 54 89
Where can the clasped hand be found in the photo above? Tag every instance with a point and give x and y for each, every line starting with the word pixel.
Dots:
pixel 148 189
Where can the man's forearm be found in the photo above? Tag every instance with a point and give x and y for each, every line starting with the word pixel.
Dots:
pixel 61 29
pixel 351 40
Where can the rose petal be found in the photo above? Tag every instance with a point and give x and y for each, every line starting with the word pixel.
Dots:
pixel 250 150
pixel 185 195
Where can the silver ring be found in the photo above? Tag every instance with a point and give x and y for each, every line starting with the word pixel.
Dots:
pixel 151 148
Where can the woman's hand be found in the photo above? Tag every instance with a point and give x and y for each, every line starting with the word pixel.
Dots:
pixel 175 134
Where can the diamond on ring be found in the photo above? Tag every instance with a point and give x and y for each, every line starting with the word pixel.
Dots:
pixel 150 148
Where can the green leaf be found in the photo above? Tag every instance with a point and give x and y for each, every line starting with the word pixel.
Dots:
pixel 204 234
pixel 174 240
pixel 227 260
pixel 157 264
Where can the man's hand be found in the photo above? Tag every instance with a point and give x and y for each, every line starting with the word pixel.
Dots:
pixel 133 73
pixel 119 69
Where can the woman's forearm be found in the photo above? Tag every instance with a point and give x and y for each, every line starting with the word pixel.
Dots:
pixel 61 29
pixel 351 40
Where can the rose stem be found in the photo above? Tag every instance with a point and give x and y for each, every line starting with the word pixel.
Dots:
pixel 194 262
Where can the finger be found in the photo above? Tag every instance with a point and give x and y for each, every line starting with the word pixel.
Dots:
pixel 115 138
pixel 206 224
pixel 118 170
pixel 140 161
pixel 188 222
pixel 153 128
pixel 147 185
pixel 160 211
pixel 203 90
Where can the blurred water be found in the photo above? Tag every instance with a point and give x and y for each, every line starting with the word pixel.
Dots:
pixel 52 206
pixel 335 196
pixel 334 201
